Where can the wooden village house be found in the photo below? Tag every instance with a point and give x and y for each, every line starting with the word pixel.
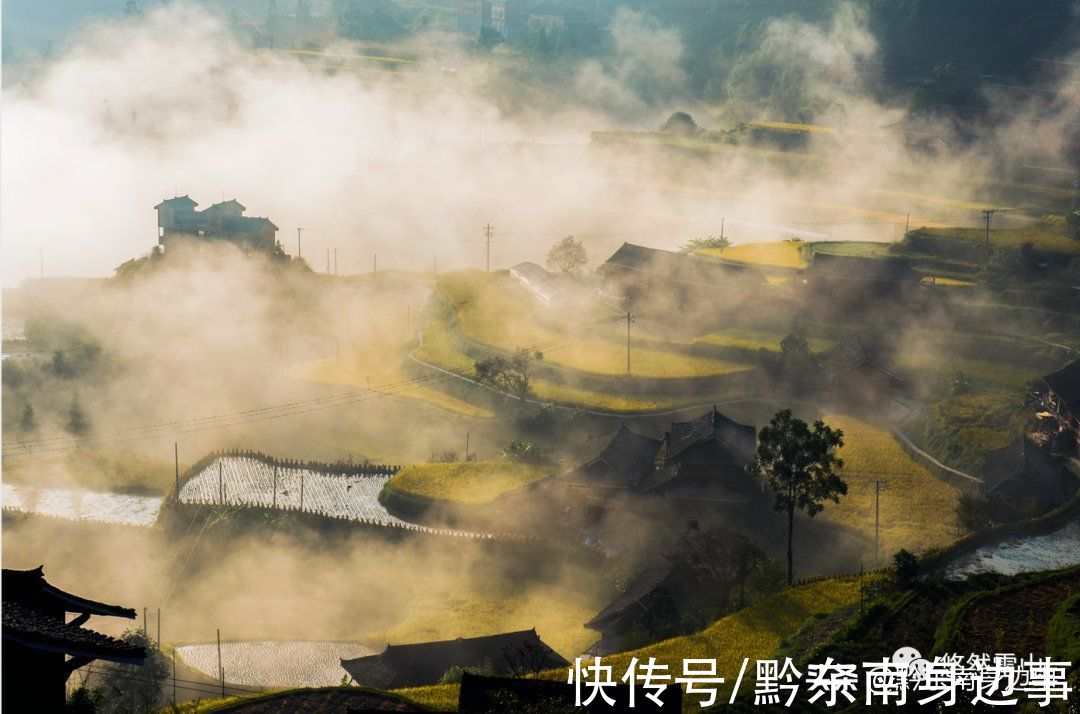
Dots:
pixel 42 647
pixel 225 221
pixel 855 378
pixel 702 460
pixel 654 603
pixel 636 273
pixel 839 283
pixel 1059 422
pixel 1026 474
pixel 425 663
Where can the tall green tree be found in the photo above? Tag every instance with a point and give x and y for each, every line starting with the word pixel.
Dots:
pixel 800 463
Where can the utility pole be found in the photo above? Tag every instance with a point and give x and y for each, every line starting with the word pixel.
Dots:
pixel 41 251
pixel 630 319
pixel 987 214
pixel 176 464
pixel 299 251
pixel 220 485
pixel 907 223
pixel 879 486
pixel 722 228
pixel 466 446
pixel 145 632
pixel 159 627
pixel 174 677
pixel 374 263
pixel 488 232
pixel 335 260
pixel 221 670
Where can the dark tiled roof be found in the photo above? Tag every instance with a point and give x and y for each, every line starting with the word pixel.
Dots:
pixel 647 582
pixel 1034 476
pixel 30 588
pixel 1024 487
pixel 852 267
pixel 246 224
pixel 1066 384
pixel 678 267
pixel 621 459
pixel 425 663
pixel 184 201
pixel 26 626
pixel 846 356
pixel 739 439
pixel 231 203
pixel 1002 464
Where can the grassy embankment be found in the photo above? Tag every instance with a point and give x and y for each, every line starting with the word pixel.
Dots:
pixel 1043 236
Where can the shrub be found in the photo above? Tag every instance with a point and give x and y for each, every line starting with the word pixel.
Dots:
pixel 906 567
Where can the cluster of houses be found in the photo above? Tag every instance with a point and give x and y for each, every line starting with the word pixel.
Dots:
pixel 178 221
pixel 831 282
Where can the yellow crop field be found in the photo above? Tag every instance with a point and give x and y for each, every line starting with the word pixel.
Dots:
pixel 917 510
pixel 489 313
pixel 773 255
pixel 358 372
pixel 438 350
pixel 465 482
pixel 440 697
pixel 754 632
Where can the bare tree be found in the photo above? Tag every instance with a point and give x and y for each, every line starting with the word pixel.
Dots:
pixel 568 255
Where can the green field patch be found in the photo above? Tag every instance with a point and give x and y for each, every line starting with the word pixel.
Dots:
pixel 1044 236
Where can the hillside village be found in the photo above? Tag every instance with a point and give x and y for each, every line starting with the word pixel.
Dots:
pixel 444 472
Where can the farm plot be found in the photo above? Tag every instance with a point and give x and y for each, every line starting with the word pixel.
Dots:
pixel 1057 549
pixel 274 664
pixel 116 508
pixel 244 481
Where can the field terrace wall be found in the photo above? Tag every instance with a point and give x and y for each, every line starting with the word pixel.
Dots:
pixel 936 560
pixel 189 512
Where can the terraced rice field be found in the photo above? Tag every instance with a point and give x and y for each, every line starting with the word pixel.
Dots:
pixel 1057 549
pixel 1015 619
pixel 116 508
pixel 274 664
pixel 246 481
pixel 438 350
pixel 917 511
pixel 489 313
